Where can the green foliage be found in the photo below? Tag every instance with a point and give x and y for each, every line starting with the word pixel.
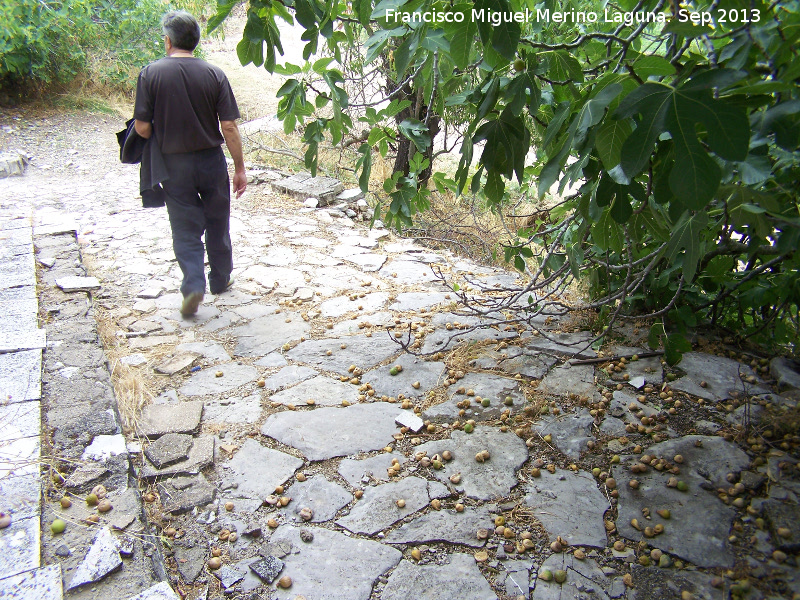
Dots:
pixel 678 142
pixel 47 41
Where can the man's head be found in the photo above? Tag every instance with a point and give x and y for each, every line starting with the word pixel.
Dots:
pixel 182 29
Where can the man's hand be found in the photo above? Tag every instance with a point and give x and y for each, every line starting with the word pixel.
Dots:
pixel 234 142
pixel 239 183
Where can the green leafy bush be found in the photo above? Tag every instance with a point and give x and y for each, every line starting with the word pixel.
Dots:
pixel 108 41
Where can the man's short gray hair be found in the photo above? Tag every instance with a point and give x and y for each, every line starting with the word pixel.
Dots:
pixel 182 29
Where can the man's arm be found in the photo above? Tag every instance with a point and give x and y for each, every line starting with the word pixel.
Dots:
pixel 230 131
pixel 143 128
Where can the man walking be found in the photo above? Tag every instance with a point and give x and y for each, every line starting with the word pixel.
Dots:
pixel 182 101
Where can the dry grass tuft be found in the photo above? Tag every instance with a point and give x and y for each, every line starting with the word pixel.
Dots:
pixel 131 387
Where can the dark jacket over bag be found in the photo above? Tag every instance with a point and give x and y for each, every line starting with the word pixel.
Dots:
pixel 134 149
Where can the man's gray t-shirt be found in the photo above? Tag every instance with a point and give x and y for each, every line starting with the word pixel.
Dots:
pixel 184 98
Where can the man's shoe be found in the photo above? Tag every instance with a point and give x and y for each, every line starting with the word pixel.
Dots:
pixel 190 303
pixel 225 289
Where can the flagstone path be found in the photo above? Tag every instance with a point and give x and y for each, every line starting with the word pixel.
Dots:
pixel 284 438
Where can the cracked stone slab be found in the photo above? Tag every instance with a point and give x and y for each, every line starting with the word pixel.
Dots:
pixel 348 573
pixel 323 497
pixel 229 576
pixel 101 559
pixel 182 494
pixel 233 410
pixel 567 380
pixel 267 568
pixel 177 417
pixel 287 376
pixel 105 446
pixel 786 372
pixel 20 376
pixel 199 455
pixel 583 577
pixel 20 494
pixel 491 387
pixel 329 432
pixel 569 505
pixel 364 352
pixel 702 541
pixel 207 381
pixel 377 508
pixel 722 376
pixel 190 560
pixel 443 339
pixel 444 526
pixel 19 546
pixel 323 390
pixel 460 578
pixel 571 432
pixel 360 472
pixel 341 305
pixel 427 374
pixel 491 479
pixel 265 334
pixel 255 471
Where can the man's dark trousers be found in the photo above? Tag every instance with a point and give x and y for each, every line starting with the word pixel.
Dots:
pixel 199 201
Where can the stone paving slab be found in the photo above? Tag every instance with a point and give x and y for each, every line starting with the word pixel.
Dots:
pixel 323 390
pixel 721 375
pixel 159 591
pixel 40 584
pixel 571 432
pixel 443 339
pixel 417 377
pixel 699 520
pixel 233 410
pixel 178 417
pixel 19 547
pixel 20 376
pixel 255 471
pixel 20 420
pixel 199 455
pixel 24 339
pixel 491 479
pixel 378 508
pixel 341 305
pixel 20 493
pixel 359 350
pixel 569 505
pixel 329 432
pixel 460 579
pixel 408 272
pixel 209 350
pixel 288 376
pixel 348 573
pixel 208 381
pixel 360 472
pixel 583 577
pixel 19 456
pixel 444 526
pixel 323 497
pixel 564 344
pixel 493 388
pixel 182 494
pixel 566 380
pixel 407 301
pixel 265 334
